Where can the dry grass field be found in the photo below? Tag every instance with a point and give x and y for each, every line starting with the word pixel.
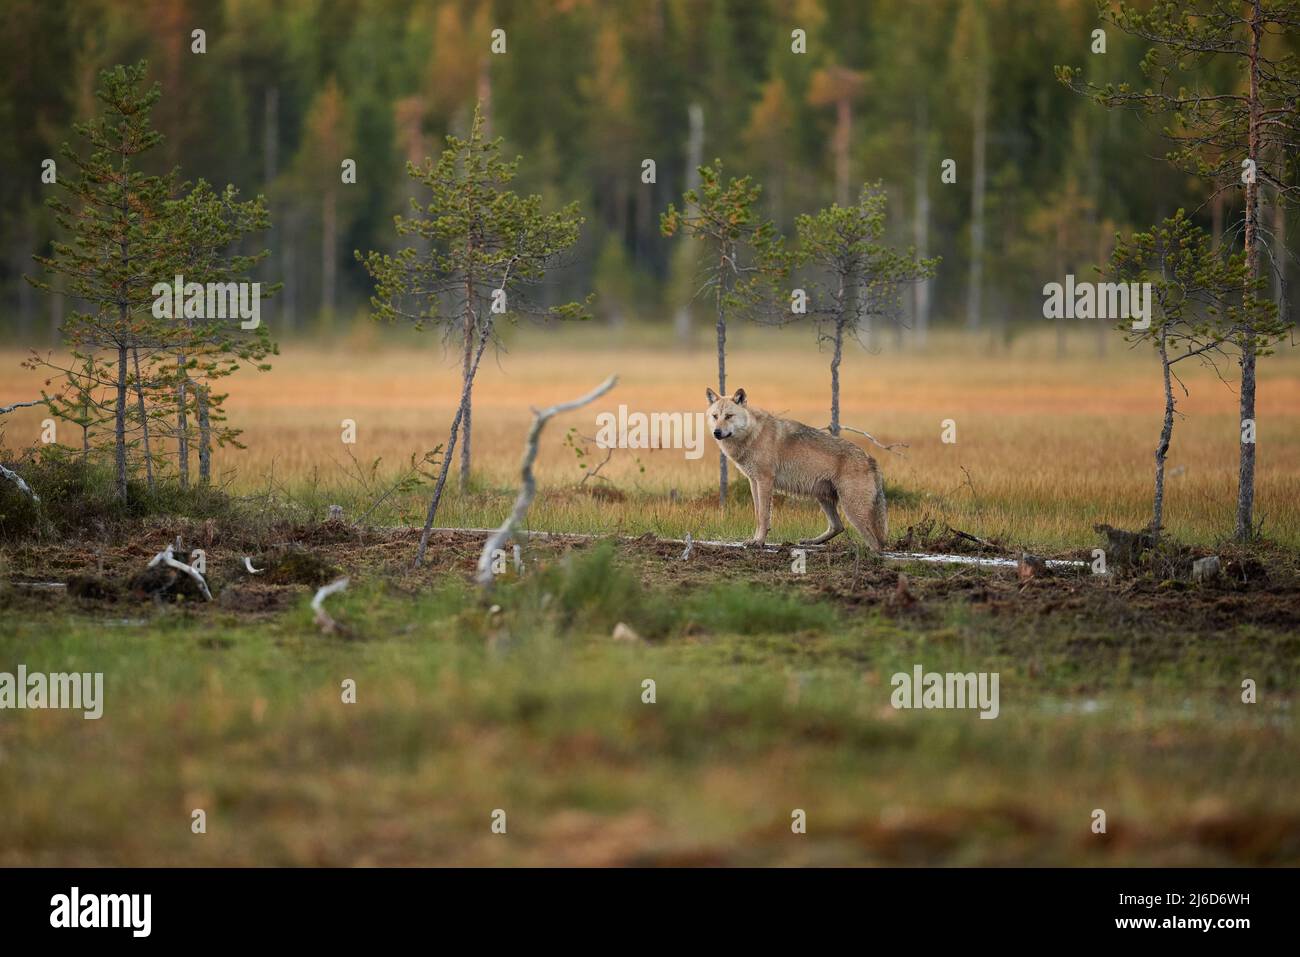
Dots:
pixel 1045 448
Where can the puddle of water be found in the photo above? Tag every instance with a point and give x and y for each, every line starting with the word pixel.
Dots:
pixel 936 558
pixel 973 560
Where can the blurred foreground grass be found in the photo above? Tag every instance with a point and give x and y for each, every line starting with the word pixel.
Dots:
pixel 766 701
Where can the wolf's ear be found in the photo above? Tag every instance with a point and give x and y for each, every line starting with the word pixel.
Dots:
pixel 713 396
pixel 739 397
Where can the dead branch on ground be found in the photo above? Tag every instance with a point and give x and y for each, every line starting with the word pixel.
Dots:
pixel 322 618
pixel 167 558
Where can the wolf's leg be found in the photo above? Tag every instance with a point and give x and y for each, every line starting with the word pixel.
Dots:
pixel 827 499
pixel 863 496
pixel 761 490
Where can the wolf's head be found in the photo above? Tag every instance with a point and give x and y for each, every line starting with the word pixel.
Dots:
pixel 728 418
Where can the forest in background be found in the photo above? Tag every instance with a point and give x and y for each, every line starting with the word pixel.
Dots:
pixel 586 91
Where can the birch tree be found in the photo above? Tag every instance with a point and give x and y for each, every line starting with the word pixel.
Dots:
pixel 971 59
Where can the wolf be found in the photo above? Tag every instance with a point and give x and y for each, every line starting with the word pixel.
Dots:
pixel 782 455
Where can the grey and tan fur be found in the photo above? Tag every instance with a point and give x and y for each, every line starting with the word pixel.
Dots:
pixel 778 454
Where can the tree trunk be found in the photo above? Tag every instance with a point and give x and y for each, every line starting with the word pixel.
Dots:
pixel 123 314
pixel 289 259
pixel 921 224
pixel 835 375
pixel 270 169
pixel 484 95
pixel 270 134
pixel 182 425
pixel 865 330
pixel 1097 140
pixel 1162 450
pixel 144 421
pixel 1246 467
pixel 56 312
pixel 1061 240
pixel 694 154
pixel 1103 326
pixel 205 435
pixel 328 252
pixel 843 137
pixel 975 279
pixel 1216 217
pixel 1279 245
pixel 722 378
pixel 447 455
pixel 468 368
pixel 436 499
pixel 119 422
pixel 26 243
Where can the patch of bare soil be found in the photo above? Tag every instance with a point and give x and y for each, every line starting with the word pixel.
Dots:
pixel 1256 589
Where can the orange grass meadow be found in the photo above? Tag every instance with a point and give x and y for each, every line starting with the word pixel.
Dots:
pixel 1045 447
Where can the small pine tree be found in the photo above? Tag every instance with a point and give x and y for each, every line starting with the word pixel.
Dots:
pixel 117 247
pixel 1237 137
pixel 743 261
pixel 483 251
pixel 856 275
pixel 131 231
pixel 1200 303
pixel 205 226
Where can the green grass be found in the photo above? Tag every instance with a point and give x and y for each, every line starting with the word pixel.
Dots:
pixel 767 699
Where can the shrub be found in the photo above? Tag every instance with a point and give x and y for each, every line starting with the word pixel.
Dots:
pixel 78 497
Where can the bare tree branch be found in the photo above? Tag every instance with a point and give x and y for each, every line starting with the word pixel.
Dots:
pixel 5 409
pixel 874 441
pixel 166 557
pixel 23 487
pixel 528 488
